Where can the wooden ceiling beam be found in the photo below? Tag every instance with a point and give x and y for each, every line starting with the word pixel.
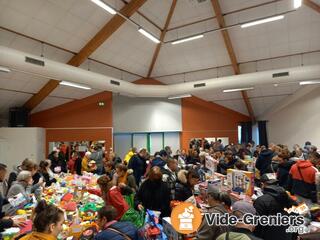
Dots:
pixel 232 55
pixel 312 5
pixel 163 34
pixel 107 30
pixel 248 105
pixel 113 25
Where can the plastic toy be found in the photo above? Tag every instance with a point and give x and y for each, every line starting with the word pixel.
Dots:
pixel 21 212
pixel 70 206
pixel 50 191
pixel 67 197
pixel 10 233
pixel 89 211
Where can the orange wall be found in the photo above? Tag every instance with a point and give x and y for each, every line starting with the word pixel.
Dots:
pixel 85 114
pixel 202 119
pixel 199 119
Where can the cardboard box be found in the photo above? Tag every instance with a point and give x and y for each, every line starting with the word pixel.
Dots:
pixel 241 181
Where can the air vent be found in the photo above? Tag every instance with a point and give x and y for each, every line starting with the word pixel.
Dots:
pixel 115 82
pixel 281 74
pixel 199 85
pixel 35 61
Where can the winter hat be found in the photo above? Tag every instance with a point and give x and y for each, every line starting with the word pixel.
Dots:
pixel 243 207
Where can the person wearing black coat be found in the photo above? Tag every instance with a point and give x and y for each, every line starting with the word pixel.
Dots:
pixel 229 161
pixel 154 194
pixel 44 168
pixel 284 167
pixel 58 162
pixel 272 202
pixel 192 157
pixel 138 164
pixel 283 173
pixel 263 163
pixel 185 184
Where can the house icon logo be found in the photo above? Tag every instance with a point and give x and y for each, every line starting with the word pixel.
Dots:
pixel 186 218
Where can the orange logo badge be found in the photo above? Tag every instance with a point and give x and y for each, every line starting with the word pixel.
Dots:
pixel 186 218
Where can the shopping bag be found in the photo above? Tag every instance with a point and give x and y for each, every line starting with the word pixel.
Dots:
pixel 130 200
pixel 134 216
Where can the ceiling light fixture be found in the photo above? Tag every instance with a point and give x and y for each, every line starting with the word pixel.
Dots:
pixel 265 20
pixel 180 96
pixel 237 89
pixel 297 3
pixel 309 82
pixel 76 85
pixel 104 6
pixel 148 35
pixel 4 69
pixel 187 39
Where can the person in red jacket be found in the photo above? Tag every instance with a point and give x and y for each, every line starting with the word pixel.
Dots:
pixel 302 179
pixel 111 195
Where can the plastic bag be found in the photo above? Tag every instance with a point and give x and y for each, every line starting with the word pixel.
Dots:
pixel 152 230
pixel 129 199
pixel 135 217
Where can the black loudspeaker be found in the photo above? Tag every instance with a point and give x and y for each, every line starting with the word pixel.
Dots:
pixel 18 117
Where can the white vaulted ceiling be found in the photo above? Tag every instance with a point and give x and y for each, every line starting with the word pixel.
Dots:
pixel 70 24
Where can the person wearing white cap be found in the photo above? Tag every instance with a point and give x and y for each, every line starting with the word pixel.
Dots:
pixel 88 165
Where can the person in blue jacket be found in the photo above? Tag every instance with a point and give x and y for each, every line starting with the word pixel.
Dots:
pixel 112 229
pixel 160 159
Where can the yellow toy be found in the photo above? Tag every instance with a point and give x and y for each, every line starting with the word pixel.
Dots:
pixel 21 212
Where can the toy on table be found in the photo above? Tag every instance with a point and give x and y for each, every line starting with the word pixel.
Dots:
pixel 27 227
pixel 21 212
pixel 241 181
pixel 67 197
pixel 89 211
pixel 70 206
pixel 10 233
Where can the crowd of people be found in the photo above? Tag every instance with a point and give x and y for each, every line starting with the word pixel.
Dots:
pixel 156 180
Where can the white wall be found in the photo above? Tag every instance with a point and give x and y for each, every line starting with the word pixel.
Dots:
pixel 146 114
pixel 17 144
pixel 297 122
